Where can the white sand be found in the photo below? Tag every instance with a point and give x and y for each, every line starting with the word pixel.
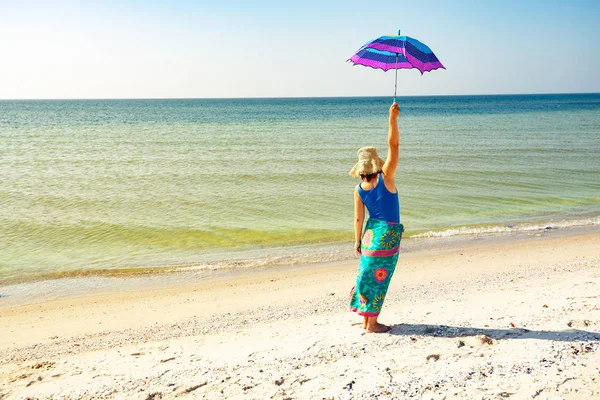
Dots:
pixel 518 320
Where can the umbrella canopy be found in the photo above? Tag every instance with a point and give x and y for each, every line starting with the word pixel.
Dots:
pixel 396 52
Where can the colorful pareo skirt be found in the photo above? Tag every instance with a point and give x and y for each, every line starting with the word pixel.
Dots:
pixel 380 247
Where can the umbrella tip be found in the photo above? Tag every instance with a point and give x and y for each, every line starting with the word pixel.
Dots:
pixel 398 32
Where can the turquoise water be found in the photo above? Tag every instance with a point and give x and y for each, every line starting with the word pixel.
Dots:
pixel 95 185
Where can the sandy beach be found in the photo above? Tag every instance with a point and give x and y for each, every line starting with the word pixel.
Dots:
pixel 504 320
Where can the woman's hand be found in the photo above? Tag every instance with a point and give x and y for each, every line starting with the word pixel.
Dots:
pixel 357 250
pixel 394 111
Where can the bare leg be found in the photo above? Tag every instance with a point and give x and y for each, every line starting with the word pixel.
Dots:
pixel 366 322
pixel 375 327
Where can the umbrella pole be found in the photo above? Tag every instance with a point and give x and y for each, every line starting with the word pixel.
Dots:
pixel 396 81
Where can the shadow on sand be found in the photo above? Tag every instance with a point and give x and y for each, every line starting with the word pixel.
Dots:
pixel 572 335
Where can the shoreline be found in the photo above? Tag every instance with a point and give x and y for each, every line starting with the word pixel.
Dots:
pixel 105 282
pixel 288 334
pixel 310 253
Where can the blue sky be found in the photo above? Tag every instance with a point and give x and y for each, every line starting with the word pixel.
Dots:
pixel 160 49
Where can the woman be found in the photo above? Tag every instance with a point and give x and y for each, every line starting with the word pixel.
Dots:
pixel 380 243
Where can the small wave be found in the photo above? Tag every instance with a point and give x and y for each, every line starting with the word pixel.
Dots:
pixel 307 255
pixel 291 256
pixel 510 228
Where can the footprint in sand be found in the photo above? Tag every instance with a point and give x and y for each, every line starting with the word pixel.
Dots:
pixel 579 323
pixel 477 341
pixel 39 379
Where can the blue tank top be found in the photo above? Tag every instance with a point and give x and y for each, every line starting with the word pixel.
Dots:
pixel 380 203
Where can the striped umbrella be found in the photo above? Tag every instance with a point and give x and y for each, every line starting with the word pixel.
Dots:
pixel 396 52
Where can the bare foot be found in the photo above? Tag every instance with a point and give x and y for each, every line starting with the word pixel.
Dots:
pixel 378 328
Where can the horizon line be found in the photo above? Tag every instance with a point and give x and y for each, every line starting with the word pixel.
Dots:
pixel 292 97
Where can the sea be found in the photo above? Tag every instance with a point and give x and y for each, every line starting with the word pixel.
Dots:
pixel 121 187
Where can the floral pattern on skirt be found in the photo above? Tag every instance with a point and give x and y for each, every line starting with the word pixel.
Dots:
pixel 377 264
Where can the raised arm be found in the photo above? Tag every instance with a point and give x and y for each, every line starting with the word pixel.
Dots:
pixel 391 163
pixel 359 219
